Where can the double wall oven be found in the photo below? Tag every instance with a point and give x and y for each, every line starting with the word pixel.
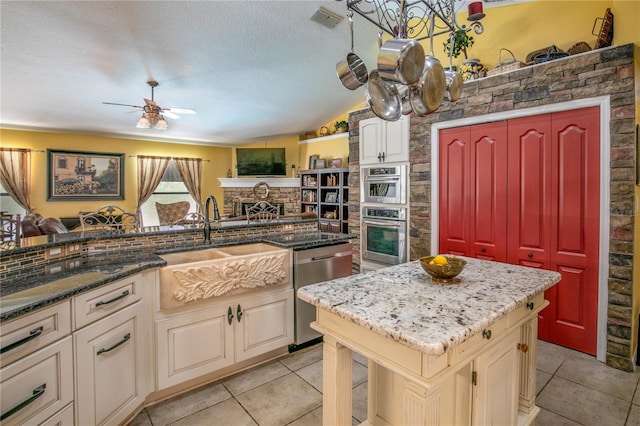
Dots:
pixel 384 195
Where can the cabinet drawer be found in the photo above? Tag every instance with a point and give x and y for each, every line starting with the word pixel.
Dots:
pixel 61 418
pixel 37 386
pixel 34 331
pixel 530 309
pixel 478 341
pixel 99 303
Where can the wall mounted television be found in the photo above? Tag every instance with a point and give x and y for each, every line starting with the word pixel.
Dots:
pixel 261 162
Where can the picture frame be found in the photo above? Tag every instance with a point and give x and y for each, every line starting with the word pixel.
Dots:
pixel 78 175
pixel 335 162
pixel 312 161
pixel 320 163
pixel 331 197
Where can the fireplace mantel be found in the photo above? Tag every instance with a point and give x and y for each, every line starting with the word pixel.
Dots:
pixel 273 182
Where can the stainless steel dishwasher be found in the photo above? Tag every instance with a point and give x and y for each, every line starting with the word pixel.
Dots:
pixel 312 266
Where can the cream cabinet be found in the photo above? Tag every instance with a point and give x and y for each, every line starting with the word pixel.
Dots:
pixel 219 335
pixel 113 350
pixel 38 385
pixel 384 141
pixel 487 380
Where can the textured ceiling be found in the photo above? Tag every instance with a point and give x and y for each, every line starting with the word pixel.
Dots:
pixel 253 70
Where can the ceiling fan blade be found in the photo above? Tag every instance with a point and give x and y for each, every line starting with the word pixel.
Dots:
pixel 181 110
pixel 127 105
pixel 169 114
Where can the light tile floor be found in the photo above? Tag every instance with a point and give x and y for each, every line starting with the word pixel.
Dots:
pixel 573 389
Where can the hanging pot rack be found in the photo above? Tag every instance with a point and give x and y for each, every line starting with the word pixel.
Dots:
pixel 412 18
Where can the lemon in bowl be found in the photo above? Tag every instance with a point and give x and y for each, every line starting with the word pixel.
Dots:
pixel 443 269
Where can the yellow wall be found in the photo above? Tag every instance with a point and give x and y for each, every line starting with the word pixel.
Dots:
pixel 220 161
pixel 324 148
pixel 526 27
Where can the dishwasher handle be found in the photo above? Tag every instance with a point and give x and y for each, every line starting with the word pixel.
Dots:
pixel 301 261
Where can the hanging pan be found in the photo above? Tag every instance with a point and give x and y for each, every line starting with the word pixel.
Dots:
pixel 427 94
pixel 351 71
pixel 383 98
pixel 401 59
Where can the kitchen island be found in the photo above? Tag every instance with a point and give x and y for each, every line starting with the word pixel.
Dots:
pixel 460 353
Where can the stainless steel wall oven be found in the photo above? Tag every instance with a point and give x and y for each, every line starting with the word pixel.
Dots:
pixel 384 184
pixel 384 234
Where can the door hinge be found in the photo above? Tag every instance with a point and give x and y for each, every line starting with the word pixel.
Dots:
pixel 474 378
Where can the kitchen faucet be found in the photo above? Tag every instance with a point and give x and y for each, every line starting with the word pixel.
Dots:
pixel 216 216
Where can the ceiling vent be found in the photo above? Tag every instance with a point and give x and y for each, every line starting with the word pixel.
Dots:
pixel 326 17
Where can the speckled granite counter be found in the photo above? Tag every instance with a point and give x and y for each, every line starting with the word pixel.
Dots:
pixel 403 304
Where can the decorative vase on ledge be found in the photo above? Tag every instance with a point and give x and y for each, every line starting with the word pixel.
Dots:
pixel 472 69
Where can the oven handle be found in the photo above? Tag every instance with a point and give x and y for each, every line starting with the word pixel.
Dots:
pixel 389 223
pixel 381 178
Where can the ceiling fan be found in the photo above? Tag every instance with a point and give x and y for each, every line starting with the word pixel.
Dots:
pixel 153 115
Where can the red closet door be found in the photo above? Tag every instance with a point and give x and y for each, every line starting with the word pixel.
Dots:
pixel 571 318
pixel 488 191
pixel 453 194
pixel 529 229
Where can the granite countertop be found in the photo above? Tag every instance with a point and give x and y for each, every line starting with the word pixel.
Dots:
pixel 23 296
pixel 20 296
pixel 403 304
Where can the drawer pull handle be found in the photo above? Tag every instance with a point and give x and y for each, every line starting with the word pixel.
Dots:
pixel 239 313
pixel 124 340
pixel 486 334
pixel 229 316
pixel 37 393
pixel 32 335
pixel 530 306
pixel 115 299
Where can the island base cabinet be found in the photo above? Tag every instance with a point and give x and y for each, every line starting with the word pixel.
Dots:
pixel 483 391
pixel 199 342
pixel 37 386
pixel 110 378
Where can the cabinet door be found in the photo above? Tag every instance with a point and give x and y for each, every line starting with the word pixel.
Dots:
pixel 395 140
pixel 370 140
pixel 263 324
pixel 111 356
pixel 38 385
pixel 193 344
pixel 496 393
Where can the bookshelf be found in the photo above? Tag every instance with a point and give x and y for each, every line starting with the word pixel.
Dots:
pixel 325 192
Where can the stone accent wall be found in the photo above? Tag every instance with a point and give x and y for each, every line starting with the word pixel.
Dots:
pixel 290 197
pixel 608 71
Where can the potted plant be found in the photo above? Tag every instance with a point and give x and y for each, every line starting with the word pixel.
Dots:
pixel 461 42
pixel 471 68
pixel 341 126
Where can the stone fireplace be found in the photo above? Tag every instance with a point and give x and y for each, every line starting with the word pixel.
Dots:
pixel 240 192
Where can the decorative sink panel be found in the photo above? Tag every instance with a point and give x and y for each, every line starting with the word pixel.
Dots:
pixel 205 274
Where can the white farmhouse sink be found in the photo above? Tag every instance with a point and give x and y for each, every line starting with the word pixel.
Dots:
pixel 198 275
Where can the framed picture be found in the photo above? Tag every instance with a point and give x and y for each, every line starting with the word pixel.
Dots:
pixel 331 197
pixel 320 163
pixel 75 175
pixel 336 162
pixel 312 161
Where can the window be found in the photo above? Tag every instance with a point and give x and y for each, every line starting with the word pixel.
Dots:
pixel 8 205
pixel 170 190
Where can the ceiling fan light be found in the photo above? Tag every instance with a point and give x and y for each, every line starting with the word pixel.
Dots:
pixel 143 123
pixel 161 124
